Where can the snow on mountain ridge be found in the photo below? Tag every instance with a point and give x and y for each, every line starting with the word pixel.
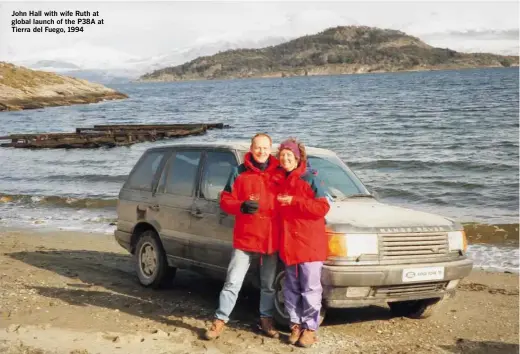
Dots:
pixel 89 57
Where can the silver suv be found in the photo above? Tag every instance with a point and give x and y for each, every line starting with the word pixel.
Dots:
pixel 169 217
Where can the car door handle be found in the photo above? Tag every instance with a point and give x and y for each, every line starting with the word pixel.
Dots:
pixel 197 213
pixel 154 207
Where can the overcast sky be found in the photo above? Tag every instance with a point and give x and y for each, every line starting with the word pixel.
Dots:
pixel 141 29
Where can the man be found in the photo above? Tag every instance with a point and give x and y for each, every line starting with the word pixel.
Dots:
pixel 249 196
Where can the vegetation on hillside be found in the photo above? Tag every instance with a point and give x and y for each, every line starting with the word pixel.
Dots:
pixel 344 49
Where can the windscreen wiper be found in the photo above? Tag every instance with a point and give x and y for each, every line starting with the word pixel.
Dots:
pixel 360 195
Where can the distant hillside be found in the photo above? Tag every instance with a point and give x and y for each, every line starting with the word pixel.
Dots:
pixel 45 64
pixel 23 88
pixel 338 50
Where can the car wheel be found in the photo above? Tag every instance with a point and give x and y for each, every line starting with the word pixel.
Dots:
pixel 150 261
pixel 280 314
pixel 415 308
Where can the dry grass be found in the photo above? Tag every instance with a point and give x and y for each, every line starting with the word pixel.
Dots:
pixel 21 78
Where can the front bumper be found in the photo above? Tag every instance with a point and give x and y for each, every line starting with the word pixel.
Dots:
pixel 363 285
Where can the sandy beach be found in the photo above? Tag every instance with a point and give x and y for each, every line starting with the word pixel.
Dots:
pixel 68 292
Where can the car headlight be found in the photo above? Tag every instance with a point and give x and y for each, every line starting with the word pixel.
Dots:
pixel 352 245
pixel 359 244
pixel 457 241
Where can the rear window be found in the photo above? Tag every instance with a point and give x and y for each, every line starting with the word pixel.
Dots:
pixel 182 172
pixel 142 176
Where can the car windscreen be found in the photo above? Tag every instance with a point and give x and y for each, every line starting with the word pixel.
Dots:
pixel 339 181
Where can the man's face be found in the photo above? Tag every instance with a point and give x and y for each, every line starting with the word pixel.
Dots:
pixel 261 149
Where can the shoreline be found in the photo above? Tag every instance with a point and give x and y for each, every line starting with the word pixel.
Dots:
pixel 319 72
pixel 499 234
pixel 477 232
pixel 70 292
pixel 28 103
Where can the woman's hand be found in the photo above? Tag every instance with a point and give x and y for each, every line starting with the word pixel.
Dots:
pixel 284 199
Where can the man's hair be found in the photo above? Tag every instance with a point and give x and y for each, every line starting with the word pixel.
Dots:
pixel 261 134
pixel 301 147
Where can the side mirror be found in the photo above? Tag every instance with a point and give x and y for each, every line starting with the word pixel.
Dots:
pixel 375 194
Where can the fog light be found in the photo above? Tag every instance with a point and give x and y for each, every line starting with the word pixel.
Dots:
pixel 358 291
pixel 452 284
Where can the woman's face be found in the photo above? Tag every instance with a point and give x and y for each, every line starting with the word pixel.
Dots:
pixel 288 160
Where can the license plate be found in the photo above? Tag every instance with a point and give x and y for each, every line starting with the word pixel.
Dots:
pixel 420 274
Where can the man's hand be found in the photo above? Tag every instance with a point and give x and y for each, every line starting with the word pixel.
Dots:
pixel 249 207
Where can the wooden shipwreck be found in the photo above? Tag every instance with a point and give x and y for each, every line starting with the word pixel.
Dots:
pixel 107 136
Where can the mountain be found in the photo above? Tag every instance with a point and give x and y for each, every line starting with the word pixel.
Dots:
pixel 104 65
pixel 23 88
pixel 54 64
pixel 105 77
pixel 337 50
pixel 69 69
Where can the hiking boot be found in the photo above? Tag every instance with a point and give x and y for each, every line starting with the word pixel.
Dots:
pixel 307 338
pixel 266 326
pixel 296 331
pixel 215 330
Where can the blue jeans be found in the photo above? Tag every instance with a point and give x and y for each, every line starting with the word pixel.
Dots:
pixel 237 269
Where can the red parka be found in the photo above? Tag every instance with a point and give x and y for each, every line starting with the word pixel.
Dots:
pixel 256 232
pixel 303 237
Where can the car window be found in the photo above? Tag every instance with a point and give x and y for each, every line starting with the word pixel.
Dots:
pixel 143 175
pixel 181 174
pixel 216 172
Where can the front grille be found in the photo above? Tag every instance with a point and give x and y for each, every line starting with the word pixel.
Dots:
pixel 409 289
pixel 413 245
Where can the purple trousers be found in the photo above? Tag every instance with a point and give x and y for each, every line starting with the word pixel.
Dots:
pixel 302 293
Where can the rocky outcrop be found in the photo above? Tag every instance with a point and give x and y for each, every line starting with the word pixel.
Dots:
pixel 23 88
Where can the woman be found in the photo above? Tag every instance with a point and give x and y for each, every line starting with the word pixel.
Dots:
pixel 302 207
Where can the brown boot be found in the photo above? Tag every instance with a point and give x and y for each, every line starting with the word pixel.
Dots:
pixel 266 326
pixel 307 338
pixel 296 331
pixel 215 330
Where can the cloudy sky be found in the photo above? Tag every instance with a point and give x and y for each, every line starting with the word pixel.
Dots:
pixel 134 30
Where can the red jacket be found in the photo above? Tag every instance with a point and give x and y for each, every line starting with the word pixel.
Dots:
pixel 303 237
pixel 252 232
